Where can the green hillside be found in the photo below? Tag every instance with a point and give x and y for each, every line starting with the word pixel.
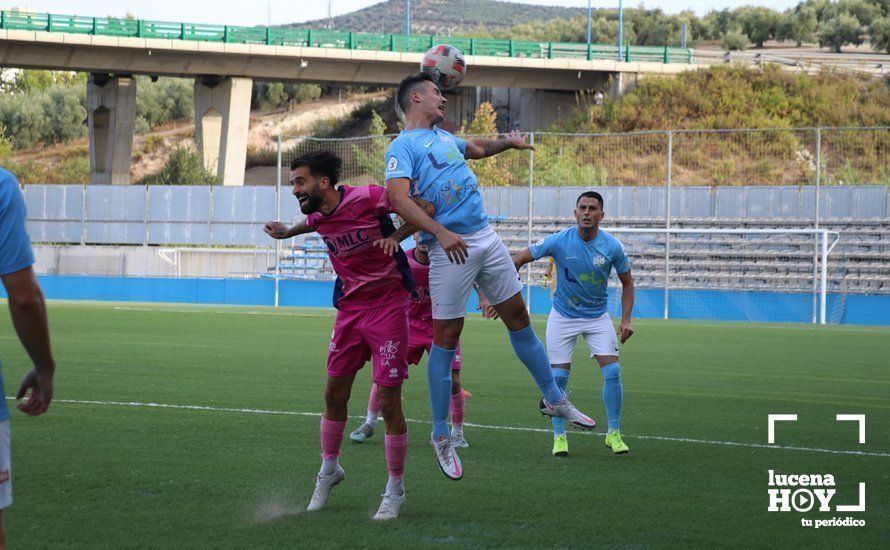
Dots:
pixel 739 97
pixel 441 16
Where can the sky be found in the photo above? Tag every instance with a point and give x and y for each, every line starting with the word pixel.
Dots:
pixel 259 12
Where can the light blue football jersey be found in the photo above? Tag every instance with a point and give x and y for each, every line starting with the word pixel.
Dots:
pixel 583 270
pixel 434 162
pixel 15 246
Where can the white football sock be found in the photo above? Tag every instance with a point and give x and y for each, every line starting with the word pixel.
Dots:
pixel 329 465
pixel 395 486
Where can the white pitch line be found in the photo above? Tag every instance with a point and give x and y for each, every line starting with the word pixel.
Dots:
pixel 220 312
pixel 137 404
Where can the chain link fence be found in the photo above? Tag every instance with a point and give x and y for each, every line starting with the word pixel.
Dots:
pixel 835 179
pixel 769 157
pixel 810 178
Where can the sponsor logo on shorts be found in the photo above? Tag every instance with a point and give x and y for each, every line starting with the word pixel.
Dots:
pixel 4 476
pixel 388 352
pixel 333 345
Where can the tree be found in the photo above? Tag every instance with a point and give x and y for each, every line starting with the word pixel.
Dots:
pixel 184 167
pixel 759 24
pixel 274 95
pixel 371 161
pixel 883 6
pixel 840 31
pixel 880 34
pixel 25 120
pixel 734 39
pixel 492 170
pixel 718 23
pixel 799 24
pixel 29 81
pixel 65 112
pixel 161 101
pixel 865 12
pixel 5 146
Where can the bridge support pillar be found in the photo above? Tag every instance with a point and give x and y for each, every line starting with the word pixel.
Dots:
pixel 111 114
pixel 622 83
pixel 222 117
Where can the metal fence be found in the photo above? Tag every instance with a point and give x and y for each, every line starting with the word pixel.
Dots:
pixel 786 178
pixel 319 38
pixel 797 156
pixel 824 178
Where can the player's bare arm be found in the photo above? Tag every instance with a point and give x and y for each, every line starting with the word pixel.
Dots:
pixel 625 330
pixel 522 257
pixel 397 193
pixel 482 148
pixel 391 244
pixel 28 311
pixel 278 230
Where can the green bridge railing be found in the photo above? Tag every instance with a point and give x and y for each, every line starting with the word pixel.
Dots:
pixel 139 28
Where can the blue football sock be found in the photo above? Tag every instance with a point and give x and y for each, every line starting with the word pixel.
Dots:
pixel 531 352
pixel 613 394
pixel 438 373
pixel 561 376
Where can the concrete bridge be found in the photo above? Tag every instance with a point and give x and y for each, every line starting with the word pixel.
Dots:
pixel 225 69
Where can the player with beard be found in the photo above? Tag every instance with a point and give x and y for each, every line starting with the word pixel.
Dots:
pixel 371 297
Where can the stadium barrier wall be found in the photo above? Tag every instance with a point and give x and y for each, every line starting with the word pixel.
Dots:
pixel 705 305
pixel 220 216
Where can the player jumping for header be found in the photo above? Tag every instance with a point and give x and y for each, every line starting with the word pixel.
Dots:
pixel 585 256
pixel 427 162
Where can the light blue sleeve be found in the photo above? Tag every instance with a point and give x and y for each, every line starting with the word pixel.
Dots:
pixel 399 160
pixel 15 246
pixel 619 258
pixel 461 145
pixel 545 247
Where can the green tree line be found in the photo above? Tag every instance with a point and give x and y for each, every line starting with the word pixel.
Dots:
pixel 830 23
pixel 47 107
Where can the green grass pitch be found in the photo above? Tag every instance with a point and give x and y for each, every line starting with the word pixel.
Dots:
pixel 103 469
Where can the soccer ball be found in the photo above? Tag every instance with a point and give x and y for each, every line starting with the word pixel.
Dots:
pixel 446 65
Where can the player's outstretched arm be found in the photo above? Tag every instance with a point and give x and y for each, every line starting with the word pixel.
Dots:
pixel 28 311
pixel 402 204
pixel 625 330
pixel 391 244
pixel 278 230
pixel 522 257
pixel 481 148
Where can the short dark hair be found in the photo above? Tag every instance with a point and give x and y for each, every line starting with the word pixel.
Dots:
pixel 321 162
pixel 408 85
pixel 590 195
